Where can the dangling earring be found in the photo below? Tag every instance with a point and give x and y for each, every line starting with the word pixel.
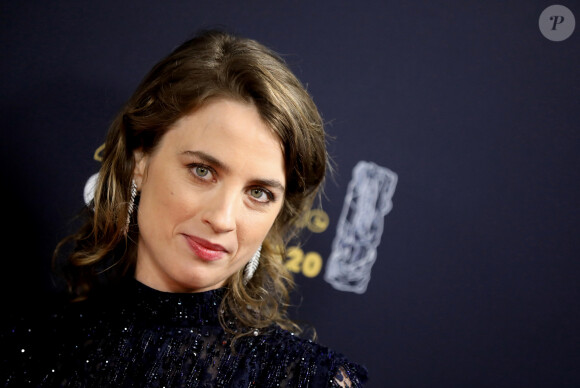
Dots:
pixel 131 205
pixel 252 265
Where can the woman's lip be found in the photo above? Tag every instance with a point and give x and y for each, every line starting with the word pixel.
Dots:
pixel 206 244
pixel 204 249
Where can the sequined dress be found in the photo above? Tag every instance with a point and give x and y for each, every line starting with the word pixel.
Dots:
pixel 140 337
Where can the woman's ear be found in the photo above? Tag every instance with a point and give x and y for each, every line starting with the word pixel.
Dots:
pixel 140 167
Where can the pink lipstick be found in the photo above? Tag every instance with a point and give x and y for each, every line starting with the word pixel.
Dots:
pixel 204 249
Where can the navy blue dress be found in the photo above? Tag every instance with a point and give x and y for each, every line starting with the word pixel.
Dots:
pixel 141 337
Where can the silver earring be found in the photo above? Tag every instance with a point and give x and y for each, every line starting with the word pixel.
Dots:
pixel 252 265
pixel 131 206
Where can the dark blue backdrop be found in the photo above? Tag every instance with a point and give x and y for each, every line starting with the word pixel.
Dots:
pixel 476 281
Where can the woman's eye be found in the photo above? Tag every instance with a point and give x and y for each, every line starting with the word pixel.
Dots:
pixel 259 195
pixel 201 171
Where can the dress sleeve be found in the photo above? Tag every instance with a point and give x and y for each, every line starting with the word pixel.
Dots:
pixel 349 376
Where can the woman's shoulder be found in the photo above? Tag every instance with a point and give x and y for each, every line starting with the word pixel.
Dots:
pixel 29 334
pixel 26 319
pixel 36 333
pixel 316 363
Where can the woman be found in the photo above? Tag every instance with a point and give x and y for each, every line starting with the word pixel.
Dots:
pixel 178 271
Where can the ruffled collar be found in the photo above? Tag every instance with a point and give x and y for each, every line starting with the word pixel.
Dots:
pixel 184 309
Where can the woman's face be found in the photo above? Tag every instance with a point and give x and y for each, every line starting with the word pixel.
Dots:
pixel 210 192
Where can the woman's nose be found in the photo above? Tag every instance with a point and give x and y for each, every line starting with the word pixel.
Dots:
pixel 219 211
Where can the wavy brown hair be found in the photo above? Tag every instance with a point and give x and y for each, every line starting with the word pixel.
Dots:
pixel 214 64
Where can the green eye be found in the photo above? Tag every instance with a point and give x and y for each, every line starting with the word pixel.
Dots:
pixel 256 193
pixel 201 171
pixel 261 195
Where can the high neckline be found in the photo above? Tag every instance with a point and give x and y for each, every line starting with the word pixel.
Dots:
pixel 183 309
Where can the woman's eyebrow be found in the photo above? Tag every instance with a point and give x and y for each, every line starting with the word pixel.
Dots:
pixel 207 158
pixel 272 183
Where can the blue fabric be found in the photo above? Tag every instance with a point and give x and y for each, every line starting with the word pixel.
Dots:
pixel 140 337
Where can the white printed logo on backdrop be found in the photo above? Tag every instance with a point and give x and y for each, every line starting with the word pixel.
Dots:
pixel 91 184
pixel 89 191
pixel 360 227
